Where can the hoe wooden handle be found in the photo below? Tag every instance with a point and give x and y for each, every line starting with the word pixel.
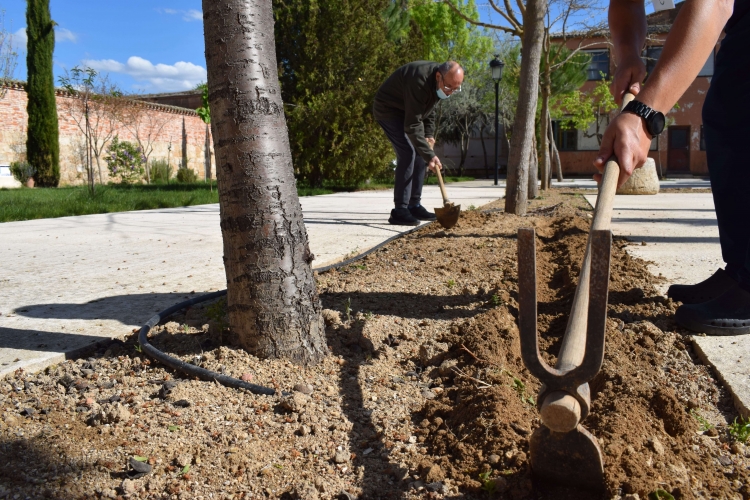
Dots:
pixel 560 411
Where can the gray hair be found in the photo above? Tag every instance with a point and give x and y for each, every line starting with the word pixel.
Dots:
pixel 447 67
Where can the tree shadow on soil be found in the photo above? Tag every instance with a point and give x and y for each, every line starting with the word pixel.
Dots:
pixel 406 304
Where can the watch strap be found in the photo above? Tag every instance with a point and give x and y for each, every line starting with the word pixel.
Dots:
pixel 640 109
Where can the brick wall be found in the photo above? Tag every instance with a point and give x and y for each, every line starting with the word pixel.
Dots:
pixel 164 124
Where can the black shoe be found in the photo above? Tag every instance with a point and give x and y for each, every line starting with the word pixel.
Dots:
pixel 402 217
pixel 421 213
pixel 727 314
pixel 704 291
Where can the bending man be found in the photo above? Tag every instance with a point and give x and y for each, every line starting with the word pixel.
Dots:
pixel 405 109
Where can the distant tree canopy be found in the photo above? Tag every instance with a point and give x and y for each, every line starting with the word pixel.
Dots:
pixel 447 36
pixel 333 55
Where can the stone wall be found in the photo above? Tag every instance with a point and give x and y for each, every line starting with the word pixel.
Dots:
pixel 163 124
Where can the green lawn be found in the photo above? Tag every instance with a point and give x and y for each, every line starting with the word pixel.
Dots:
pixel 41 203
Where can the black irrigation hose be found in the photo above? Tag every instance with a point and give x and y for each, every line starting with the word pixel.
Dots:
pixel 202 373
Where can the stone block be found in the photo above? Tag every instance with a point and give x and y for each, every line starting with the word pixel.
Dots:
pixel 643 181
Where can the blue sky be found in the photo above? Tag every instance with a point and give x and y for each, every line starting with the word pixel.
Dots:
pixel 145 46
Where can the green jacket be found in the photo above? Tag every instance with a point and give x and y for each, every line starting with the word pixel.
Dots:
pixel 410 94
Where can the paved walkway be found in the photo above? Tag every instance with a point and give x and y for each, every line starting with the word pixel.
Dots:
pixel 69 282
pixel 682 244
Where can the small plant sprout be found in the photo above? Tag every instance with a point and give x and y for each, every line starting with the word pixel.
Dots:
pixel 740 429
pixel 138 347
pixel 488 484
pixel 496 300
pixel 450 283
pixel 348 309
pixel 704 424
pixel 471 208
pixel 660 495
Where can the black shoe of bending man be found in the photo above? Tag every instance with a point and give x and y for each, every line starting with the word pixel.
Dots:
pixel 727 314
pixel 402 217
pixel 704 291
pixel 421 213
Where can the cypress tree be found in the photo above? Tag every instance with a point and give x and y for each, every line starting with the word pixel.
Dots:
pixel 42 143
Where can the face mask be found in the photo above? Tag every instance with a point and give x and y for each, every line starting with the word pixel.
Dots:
pixel 441 94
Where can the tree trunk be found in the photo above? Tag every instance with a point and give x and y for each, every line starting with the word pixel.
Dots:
pixel 533 171
pixel 553 150
pixel 546 88
pixel 272 300
pixel 543 131
pixel 207 154
pixel 523 125
pixel 484 150
pixel 184 145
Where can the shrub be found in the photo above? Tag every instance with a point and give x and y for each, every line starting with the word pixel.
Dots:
pixel 186 175
pixel 22 171
pixel 125 161
pixel 161 171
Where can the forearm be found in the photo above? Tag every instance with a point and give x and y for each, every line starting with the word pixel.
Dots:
pixel 692 38
pixel 627 26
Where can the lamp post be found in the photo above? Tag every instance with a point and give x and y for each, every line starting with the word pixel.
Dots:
pixel 496 67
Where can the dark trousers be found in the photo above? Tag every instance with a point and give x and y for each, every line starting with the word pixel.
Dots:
pixel 410 167
pixel 727 133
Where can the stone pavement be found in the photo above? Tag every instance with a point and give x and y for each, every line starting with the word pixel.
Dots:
pixel 682 244
pixel 69 282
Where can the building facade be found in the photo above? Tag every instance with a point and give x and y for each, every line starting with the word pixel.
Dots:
pixel 679 150
pixel 165 131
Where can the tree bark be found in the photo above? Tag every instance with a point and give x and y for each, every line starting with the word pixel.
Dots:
pixel 543 132
pixel 272 301
pixel 543 123
pixel 533 170
pixel 553 150
pixel 523 126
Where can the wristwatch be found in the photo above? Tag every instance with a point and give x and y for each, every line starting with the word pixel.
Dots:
pixel 654 119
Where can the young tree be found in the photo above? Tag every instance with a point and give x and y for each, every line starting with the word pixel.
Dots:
pixel 272 300
pixel 526 21
pixel 8 57
pixel 97 111
pixel 42 143
pixel 145 125
pixel 205 114
pixel 461 116
pixel 580 110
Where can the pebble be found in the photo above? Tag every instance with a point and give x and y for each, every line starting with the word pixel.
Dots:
pixel 129 486
pixel 427 394
pixel 342 457
pixel 138 469
pixel 304 388
pixel 657 446
pixel 494 459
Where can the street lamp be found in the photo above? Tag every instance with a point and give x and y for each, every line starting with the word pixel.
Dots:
pixel 496 67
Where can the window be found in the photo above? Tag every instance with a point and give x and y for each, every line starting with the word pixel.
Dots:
pixel 703 140
pixel 650 57
pixel 566 139
pixel 708 68
pixel 599 66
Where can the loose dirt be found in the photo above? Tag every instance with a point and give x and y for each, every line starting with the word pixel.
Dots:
pixel 424 394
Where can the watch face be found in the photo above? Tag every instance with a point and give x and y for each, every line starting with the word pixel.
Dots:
pixel 656 123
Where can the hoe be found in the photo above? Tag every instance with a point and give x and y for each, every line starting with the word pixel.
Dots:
pixel 562 451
